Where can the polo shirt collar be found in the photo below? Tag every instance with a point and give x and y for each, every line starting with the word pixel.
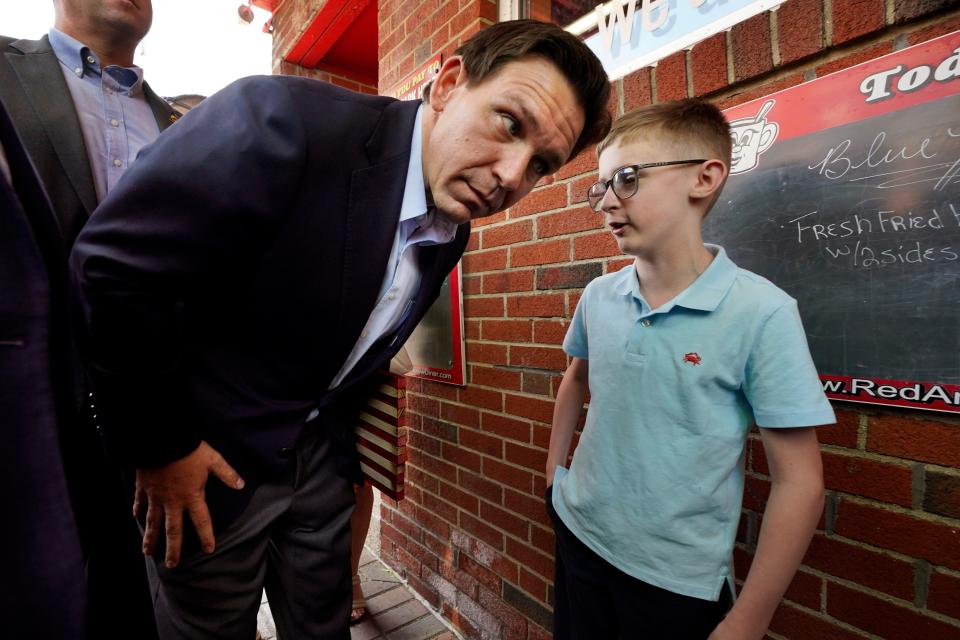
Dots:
pixel 707 292
pixel 704 294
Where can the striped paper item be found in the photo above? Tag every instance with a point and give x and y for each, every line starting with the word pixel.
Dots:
pixel 382 435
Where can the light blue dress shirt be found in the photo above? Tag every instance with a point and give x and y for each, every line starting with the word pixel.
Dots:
pixel 656 482
pixel 115 118
pixel 417 228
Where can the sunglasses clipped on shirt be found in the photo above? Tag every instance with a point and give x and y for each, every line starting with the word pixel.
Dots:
pixel 625 180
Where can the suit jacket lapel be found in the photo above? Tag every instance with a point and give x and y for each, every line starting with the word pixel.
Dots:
pixel 435 263
pixel 376 193
pixel 38 71
pixel 162 111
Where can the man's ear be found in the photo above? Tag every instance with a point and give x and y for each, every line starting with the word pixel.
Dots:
pixel 452 74
pixel 710 178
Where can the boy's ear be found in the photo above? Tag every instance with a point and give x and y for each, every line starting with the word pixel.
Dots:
pixel 710 178
pixel 451 75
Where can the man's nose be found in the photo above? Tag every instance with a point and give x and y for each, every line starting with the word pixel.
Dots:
pixel 511 171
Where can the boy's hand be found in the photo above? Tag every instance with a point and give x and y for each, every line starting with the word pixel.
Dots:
pixel 566 414
pixel 175 487
pixel 789 520
pixel 728 629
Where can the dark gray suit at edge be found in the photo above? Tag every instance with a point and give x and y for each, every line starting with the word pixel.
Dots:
pixel 43 592
pixel 35 95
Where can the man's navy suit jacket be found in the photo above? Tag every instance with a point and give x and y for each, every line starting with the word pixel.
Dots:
pixel 43 592
pixel 229 274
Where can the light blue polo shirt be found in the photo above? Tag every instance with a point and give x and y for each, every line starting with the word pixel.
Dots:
pixel 656 482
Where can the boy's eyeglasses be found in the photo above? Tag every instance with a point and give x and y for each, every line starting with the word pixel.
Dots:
pixel 624 181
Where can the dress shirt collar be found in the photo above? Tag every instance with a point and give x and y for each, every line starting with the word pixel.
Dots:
pixel 433 229
pixel 81 60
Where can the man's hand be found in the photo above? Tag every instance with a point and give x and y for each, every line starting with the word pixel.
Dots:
pixel 170 489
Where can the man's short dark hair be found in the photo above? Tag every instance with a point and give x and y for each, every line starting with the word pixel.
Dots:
pixel 503 42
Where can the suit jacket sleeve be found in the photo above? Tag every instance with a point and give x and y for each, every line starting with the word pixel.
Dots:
pixel 188 219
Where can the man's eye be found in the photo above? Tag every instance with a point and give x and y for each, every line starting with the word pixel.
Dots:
pixel 540 167
pixel 513 127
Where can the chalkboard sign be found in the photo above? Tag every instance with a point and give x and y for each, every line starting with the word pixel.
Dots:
pixel 845 192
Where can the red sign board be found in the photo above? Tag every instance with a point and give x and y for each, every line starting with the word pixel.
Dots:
pixel 845 192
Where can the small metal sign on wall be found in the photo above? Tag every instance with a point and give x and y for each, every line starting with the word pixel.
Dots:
pixel 436 346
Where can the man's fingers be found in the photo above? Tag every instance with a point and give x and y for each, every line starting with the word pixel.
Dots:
pixel 153 529
pixel 200 516
pixel 174 525
pixel 139 499
pixel 225 473
pixel 176 486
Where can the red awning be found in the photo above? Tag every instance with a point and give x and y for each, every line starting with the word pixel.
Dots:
pixel 341 38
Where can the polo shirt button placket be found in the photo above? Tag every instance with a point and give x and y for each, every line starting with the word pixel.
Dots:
pixel 645 322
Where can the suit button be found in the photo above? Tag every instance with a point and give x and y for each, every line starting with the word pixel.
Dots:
pixel 285 453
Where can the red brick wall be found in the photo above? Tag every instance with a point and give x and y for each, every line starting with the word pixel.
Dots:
pixel 290 69
pixel 290 20
pixel 411 31
pixel 473 538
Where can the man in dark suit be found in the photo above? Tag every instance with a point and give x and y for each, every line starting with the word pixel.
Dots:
pixel 43 592
pixel 82 110
pixel 258 264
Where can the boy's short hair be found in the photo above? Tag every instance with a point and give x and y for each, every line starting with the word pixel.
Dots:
pixel 693 126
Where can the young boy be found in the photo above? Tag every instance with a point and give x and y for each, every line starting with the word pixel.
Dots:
pixel 681 353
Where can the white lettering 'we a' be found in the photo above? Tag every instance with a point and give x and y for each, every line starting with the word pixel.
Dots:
pixel 609 15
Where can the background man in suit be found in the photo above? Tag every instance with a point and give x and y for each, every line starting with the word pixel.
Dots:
pixel 83 112
pixel 260 261
pixel 43 593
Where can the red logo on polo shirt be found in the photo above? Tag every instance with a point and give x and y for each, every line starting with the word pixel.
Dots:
pixel 692 358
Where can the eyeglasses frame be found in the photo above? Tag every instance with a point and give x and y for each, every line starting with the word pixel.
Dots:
pixel 608 184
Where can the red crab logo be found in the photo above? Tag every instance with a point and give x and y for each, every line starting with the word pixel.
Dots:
pixel 692 357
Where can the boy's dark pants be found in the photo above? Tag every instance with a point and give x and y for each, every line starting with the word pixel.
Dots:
pixel 594 600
